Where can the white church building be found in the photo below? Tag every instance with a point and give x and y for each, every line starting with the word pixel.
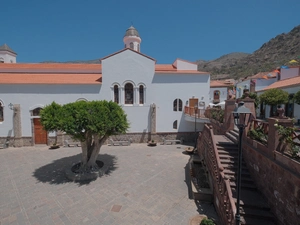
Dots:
pixel 160 100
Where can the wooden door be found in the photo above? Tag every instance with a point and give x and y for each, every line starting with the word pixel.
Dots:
pixel 192 103
pixel 40 135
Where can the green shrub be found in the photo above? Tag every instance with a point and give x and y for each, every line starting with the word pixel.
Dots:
pixel 207 222
pixel 258 135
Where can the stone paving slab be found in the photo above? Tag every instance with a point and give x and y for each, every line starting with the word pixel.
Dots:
pixel 144 186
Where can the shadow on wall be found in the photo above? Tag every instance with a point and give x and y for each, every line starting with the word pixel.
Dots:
pixel 54 172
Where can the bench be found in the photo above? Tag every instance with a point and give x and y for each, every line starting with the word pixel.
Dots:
pixel 111 142
pixel 175 141
pixel 71 144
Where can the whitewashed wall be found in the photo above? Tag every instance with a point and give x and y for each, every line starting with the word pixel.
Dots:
pixel 262 83
pixel 32 96
pixel 288 73
pixel 169 87
pixel 223 93
pixel 8 57
pixel 240 87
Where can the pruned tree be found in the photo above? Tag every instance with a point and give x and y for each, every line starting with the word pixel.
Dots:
pixel 89 122
pixel 274 97
pixel 297 97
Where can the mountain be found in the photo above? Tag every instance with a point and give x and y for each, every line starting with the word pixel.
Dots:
pixel 272 54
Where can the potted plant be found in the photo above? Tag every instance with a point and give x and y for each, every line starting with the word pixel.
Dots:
pixel 152 143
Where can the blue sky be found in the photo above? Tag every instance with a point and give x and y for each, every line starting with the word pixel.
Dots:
pixel 65 30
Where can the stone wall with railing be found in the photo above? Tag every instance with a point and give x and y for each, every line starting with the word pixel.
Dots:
pixel 223 200
pixel 276 174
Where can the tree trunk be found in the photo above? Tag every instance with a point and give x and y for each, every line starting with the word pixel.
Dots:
pixel 90 151
pixel 98 142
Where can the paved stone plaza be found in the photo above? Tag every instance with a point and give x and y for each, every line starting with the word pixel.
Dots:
pixel 144 185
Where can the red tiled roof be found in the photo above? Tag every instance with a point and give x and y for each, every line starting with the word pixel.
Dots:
pixel 217 83
pixel 181 72
pixel 50 66
pixel 294 81
pixel 37 78
pixel 264 75
pixel 164 67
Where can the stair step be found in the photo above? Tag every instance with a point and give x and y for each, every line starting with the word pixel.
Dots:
pixel 251 199
pixel 244 185
pixel 233 173
pixel 244 179
pixel 256 213
pixel 231 137
pixel 236 134
pixel 256 221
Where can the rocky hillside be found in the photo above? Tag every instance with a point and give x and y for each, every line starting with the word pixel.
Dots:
pixel 276 52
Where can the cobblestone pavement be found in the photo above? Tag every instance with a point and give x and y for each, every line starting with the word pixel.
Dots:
pixel 144 186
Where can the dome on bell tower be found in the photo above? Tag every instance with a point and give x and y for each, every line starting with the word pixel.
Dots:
pixel 131 31
pixel 132 39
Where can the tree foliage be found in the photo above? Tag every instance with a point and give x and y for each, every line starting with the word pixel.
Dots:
pixel 297 97
pixel 274 97
pixel 89 122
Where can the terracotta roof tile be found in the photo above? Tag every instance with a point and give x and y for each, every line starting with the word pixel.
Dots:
pixel 17 78
pixel 80 66
pixel 294 81
pixel 181 72
pixel 217 83
pixel 263 75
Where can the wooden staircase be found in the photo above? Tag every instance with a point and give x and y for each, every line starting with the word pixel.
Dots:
pixel 254 208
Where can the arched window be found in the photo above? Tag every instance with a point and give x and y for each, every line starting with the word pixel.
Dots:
pixel 1 112
pixel 175 124
pixel 141 94
pixel 36 111
pixel 138 47
pixel 177 105
pixel 116 94
pixel 216 96
pixel 128 93
pixel 131 45
pixel 1 60
pixel 81 99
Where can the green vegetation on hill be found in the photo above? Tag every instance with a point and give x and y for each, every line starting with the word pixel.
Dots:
pixel 276 52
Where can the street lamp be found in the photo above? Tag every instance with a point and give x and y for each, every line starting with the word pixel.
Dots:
pixel 242 117
pixel 196 113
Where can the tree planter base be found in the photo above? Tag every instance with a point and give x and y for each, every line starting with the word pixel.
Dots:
pixel 87 175
pixel 152 144
pixel 54 147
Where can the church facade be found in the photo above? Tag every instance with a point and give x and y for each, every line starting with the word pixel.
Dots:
pixel 154 96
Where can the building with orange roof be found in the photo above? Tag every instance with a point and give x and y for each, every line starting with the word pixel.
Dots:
pixel 256 82
pixel 218 91
pixel 288 79
pixel 154 96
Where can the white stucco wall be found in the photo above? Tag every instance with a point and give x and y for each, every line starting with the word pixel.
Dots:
pixel 126 66
pixel 8 57
pixel 288 73
pixel 241 86
pixel 183 65
pixel 262 83
pixel 223 93
pixel 169 87
pixel 32 96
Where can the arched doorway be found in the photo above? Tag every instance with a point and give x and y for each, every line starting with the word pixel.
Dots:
pixel 40 135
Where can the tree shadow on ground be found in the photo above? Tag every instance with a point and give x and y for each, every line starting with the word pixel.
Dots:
pixel 54 172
